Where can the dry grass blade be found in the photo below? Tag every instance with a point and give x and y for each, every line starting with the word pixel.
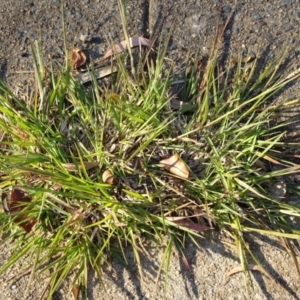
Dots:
pixel 192 225
pixel 74 168
pixel 250 267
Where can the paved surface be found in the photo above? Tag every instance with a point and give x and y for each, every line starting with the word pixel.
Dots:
pixel 262 27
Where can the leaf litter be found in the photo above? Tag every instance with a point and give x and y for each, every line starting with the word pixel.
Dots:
pixel 14 205
pixel 169 193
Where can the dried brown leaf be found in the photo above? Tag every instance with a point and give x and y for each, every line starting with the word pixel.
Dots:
pixel 176 166
pixel 76 291
pixel 192 225
pixel 87 165
pixel 14 204
pixel 134 41
pixel 78 58
pixel 109 177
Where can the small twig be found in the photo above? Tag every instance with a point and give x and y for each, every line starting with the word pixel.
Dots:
pixel 155 36
pixel 57 200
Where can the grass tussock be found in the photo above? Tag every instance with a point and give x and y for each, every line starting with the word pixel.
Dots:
pixel 84 167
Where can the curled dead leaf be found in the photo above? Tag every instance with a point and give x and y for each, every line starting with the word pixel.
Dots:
pixel 109 177
pixel 134 41
pixel 176 166
pixel 78 58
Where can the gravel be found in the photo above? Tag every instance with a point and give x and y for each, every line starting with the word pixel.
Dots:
pixel 261 27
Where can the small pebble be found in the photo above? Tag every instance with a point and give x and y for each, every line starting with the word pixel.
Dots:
pixel 257 16
pixel 226 9
pixel 83 37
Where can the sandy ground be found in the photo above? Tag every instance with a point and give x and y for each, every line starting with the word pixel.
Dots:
pixel 262 27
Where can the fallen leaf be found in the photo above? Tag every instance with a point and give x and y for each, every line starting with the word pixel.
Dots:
pixel 109 177
pixel 135 41
pixel 76 291
pixel 78 58
pixel 14 204
pixel 176 166
pixel 192 225
pixel 73 167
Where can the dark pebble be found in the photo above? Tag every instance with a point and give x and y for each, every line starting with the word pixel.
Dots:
pixel 287 2
pixel 96 40
pixel 226 9
pixel 25 40
pixel 257 16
